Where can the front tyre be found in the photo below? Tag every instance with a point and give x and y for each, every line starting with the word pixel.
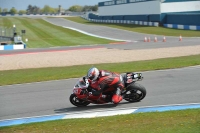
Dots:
pixel 77 102
pixel 136 93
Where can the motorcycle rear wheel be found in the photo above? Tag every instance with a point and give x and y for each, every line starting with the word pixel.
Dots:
pixel 136 93
pixel 77 102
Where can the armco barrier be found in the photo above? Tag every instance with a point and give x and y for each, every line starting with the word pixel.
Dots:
pixel 185 27
pixel 12 47
pixel 174 26
pixel 124 22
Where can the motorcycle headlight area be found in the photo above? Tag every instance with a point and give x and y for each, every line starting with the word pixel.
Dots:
pixel 79 91
pixel 76 91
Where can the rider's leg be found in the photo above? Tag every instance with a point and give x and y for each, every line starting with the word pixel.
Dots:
pixel 116 98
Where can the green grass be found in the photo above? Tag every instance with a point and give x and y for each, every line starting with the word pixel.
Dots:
pixel 184 121
pixel 42 34
pixel 142 29
pixel 6 23
pixel 56 73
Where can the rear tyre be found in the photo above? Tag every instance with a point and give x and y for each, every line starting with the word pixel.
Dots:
pixel 77 102
pixel 136 93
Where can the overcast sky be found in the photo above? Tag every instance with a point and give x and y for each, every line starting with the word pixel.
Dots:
pixel 23 4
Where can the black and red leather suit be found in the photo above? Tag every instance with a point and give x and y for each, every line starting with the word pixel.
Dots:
pixel 108 81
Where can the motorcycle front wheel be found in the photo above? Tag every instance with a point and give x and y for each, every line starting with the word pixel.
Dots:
pixel 77 102
pixel 136 93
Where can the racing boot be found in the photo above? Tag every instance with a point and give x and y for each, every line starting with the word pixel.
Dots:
pixel 116 98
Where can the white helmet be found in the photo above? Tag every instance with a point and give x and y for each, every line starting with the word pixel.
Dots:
pixel 93 73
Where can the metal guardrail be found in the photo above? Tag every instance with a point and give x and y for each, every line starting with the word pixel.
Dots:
pixel 5 39
pixel 156 24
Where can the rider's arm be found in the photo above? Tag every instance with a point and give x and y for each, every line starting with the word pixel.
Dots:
pixel 100 88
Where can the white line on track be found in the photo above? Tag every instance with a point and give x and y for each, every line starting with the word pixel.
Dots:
pixel 95 35
pixel 90 33
pixel 119 109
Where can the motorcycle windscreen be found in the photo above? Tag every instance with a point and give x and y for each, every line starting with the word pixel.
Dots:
pixel 80 84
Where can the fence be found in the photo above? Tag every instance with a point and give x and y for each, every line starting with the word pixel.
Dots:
pixel 122 21
pixel 6 34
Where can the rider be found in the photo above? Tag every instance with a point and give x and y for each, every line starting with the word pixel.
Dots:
pixel 104 80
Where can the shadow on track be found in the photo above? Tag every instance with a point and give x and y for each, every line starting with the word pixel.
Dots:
pixel 89 108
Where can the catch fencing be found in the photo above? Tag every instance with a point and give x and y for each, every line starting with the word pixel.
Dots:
pixel 6 34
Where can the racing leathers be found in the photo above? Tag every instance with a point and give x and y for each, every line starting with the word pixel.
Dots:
pixel 107 81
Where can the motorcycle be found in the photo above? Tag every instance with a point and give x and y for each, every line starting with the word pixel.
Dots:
pixel 132 91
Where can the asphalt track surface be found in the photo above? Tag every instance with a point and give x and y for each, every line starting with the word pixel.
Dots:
pixel 164 87
pixel 174 86
pixel 136 38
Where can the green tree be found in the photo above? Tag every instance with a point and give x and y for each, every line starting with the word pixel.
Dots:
pixel 90 8
pixel 13 10
pixel 22 12
pixel 48 9
pixel 86 8
pixel 55 10
pixel 5 10
pixel 76 8
pixel 0 9
pixel 95 8
pixel 32 9
pixel 29 9
pixel 35 9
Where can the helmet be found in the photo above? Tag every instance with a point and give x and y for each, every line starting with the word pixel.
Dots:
pixel 93 73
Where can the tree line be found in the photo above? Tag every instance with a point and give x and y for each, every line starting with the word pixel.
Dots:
pixel 77 8
pixel 47 9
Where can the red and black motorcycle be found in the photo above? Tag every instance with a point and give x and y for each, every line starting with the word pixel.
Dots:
pixel 132 91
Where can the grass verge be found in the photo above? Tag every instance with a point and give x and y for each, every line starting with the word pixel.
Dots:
pixel 42 34
pixel 56 73
pixel 184 121
pixel 142 29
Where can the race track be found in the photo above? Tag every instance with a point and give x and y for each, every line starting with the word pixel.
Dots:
pixel 174 86
pixel 109 32
pixel 137 39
